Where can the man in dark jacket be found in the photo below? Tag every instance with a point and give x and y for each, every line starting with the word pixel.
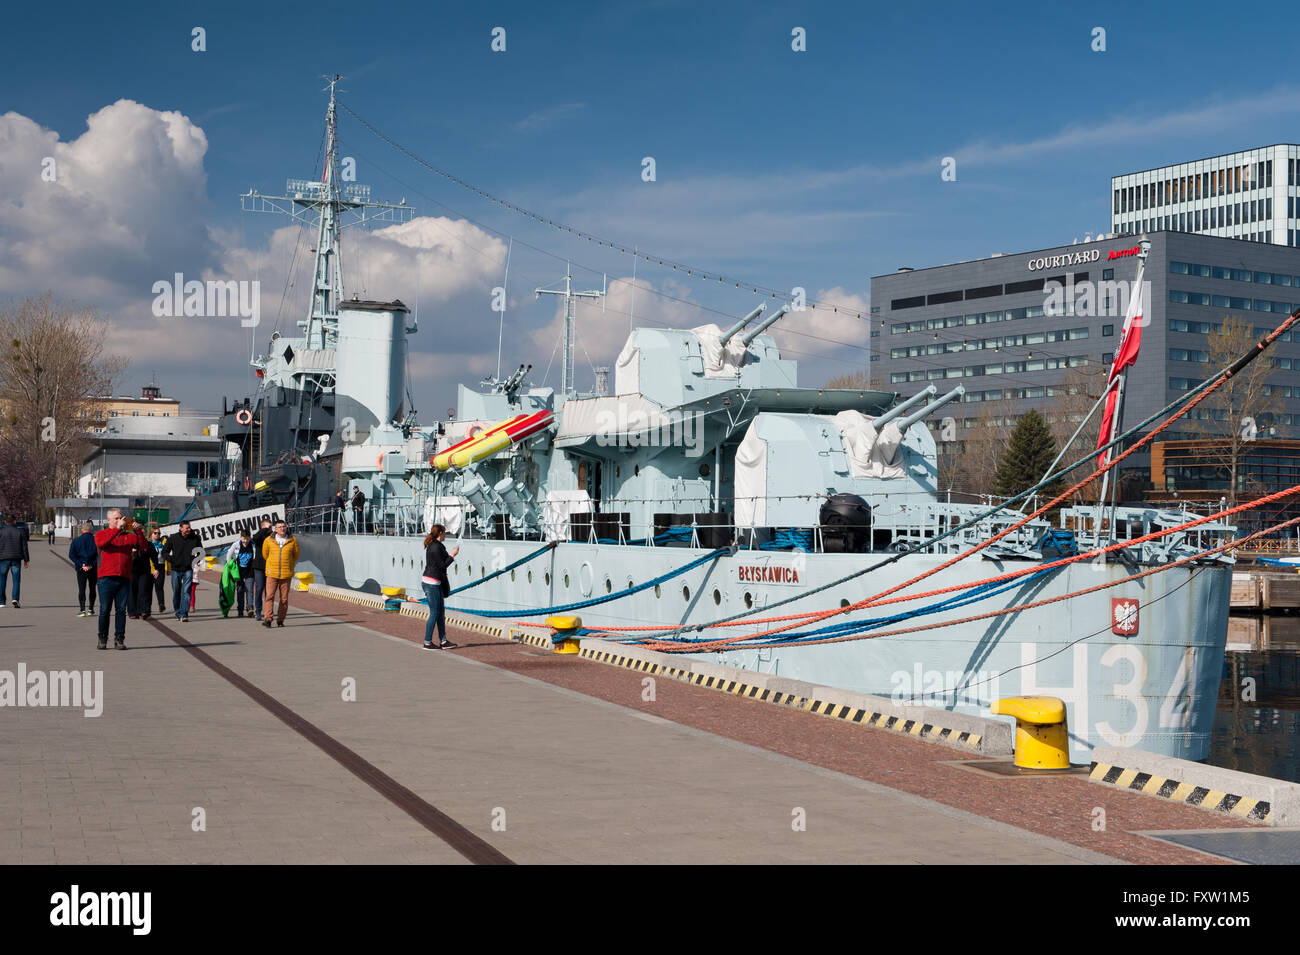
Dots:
pixel 85 558
pixel 14 555
pixel 359 511
pixel 259 567
pixel 183 549
pixel 116 543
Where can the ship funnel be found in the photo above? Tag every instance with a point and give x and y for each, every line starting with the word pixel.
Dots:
pixel 933 406
pixel 912 402
pixel 726 336
pixel 767 323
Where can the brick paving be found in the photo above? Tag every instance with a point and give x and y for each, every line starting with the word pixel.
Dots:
pixel 563 752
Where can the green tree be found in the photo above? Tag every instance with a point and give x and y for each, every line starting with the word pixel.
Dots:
pixel 1026 459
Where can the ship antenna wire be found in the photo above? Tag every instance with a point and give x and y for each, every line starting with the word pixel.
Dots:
pixel 505 284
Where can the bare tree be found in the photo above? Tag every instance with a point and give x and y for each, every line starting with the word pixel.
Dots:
pixel 1242 409
pixel 967 466
pixel 1075 396
pixel 52 366
pixel 852 379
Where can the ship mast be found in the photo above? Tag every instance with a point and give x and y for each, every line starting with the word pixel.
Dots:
pixel 566 374
pixel 326 204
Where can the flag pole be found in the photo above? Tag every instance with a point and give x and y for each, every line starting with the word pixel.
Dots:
pixel 1135 313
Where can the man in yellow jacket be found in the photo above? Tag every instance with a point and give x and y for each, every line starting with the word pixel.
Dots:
pixel 280 551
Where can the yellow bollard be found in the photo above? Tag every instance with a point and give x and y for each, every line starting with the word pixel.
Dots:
pixel 1042 740
pixel 304 578
pixel 560 626
pixel 210 559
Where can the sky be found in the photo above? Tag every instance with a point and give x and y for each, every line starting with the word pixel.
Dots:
pixel 814 168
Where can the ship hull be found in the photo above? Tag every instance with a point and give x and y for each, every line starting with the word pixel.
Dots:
pixel 1153 689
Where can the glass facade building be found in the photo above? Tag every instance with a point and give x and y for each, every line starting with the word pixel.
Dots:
pixel 1250 195
pixel 1009 328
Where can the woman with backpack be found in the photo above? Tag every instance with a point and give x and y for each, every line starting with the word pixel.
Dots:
pixel 436 585
pixel 242 553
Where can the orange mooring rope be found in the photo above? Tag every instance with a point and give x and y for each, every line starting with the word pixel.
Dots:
pixel 714 645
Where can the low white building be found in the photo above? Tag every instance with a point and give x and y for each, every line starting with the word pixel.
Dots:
pixel 149 466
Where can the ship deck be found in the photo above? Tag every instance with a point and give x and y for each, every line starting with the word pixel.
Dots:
pixel 497 751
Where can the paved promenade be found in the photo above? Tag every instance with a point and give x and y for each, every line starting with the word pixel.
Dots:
pixel 436 757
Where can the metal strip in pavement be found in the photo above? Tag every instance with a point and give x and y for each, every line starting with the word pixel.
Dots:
pixel 435 820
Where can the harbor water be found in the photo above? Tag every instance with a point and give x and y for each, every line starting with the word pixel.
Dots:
pixel 1257 721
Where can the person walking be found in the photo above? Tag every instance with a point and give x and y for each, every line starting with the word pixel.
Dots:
pixel 49 530
pixel 143 575
pixel 182 550
pixel 85 558
pixel 280 551
pixel 259 568
pixel 14 556
pixel 436 584
pixel 116 543
pixel 241 553
pixel 155 545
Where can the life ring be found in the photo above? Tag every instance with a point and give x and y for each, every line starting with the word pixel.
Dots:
pixel 244 416
pixel 474 431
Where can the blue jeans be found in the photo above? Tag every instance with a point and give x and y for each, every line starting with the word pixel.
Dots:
pixel 181 580
pixel 437 613
pixel 112 596
pixel 8 567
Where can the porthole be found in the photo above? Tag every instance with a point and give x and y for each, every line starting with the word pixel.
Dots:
pixel 657 593
pixel 394 561
pixel 482 571
pixel 749 600
pixel 530 576
pixel 566 580
pixel 512 575
pixel 548 578
pixel 609 586
pixel 630 585
pixel 843 602
pixel 717 596
pixel 686 593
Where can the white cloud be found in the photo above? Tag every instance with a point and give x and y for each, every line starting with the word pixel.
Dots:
pixel 128 207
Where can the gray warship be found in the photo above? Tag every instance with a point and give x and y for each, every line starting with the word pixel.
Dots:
pixel 709 486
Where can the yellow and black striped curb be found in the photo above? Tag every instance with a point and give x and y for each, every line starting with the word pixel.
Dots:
pixel 837 711
pixel 531 639
pixel 1256 810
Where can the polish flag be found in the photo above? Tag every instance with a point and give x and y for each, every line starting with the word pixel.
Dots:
pixel 1126 353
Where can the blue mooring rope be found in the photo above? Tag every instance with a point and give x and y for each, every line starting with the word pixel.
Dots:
pixel 537 553
pixel 562 608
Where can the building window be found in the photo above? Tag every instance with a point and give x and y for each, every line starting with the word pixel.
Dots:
pixel 1107 331
pixel 1107 274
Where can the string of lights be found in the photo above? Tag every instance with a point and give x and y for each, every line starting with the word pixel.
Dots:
pixel 699 306
pixel 621 247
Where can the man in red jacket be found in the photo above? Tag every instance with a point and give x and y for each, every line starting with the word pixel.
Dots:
pixel 116 542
